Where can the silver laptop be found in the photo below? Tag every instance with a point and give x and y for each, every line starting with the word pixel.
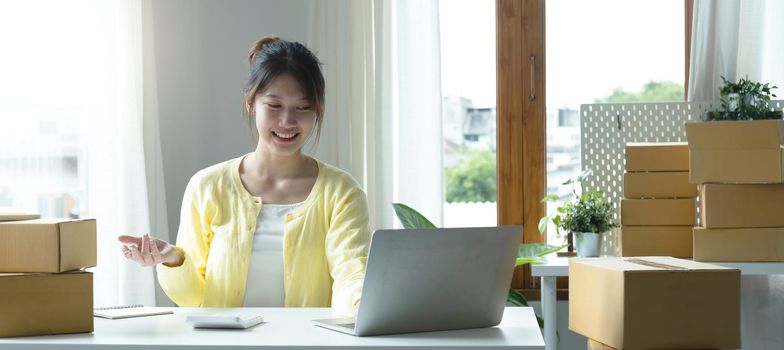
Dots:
pixel 434 279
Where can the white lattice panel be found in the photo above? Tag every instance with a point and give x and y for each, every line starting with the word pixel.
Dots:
pixel 606 128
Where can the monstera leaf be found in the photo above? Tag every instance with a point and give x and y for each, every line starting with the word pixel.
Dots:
pixel 411 218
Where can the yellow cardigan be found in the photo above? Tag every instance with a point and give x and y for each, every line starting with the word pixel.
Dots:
pixel 325 242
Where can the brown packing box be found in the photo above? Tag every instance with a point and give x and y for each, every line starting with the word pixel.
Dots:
pixel 655 303
pixel 748 151
pixel 660 184
pixel 656 241
pixel 661 156
pixel 47 245
pixel 739 244
pixel 741 206
pixel 595 345
pixel 38 304
pixel 658 212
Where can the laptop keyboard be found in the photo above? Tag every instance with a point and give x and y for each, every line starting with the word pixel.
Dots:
pixel 346 325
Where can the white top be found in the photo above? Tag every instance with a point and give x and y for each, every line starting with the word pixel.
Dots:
pixel 265 274
pixel 283 328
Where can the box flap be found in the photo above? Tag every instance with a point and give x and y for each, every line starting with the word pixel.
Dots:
pixel 741 134
pixel 40 221
pixel 11 274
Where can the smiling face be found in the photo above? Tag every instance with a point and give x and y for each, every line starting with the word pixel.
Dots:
pixel 285 118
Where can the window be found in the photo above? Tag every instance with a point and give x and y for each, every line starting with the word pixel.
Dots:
pixel 48 79
pixel 605 52
pixel 468 112
pixel 522 133
pixel 42 160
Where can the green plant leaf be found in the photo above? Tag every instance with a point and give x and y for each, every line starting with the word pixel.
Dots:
pixel 516 298
pixel 540 321
pixel 584 175
pixel 543 223
pixel 411 218
pixel 534 252
pixel 551 198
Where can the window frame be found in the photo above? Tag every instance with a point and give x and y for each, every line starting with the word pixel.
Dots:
pixel 521 124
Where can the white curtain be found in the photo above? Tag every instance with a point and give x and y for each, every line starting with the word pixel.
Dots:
pixel 736 39
pixel 71 110
pixel 383 114
pixel 117 183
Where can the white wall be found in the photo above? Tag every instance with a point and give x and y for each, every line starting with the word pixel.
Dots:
pixel 199 61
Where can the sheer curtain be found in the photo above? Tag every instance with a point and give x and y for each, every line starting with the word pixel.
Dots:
pixel 71 110
pixel 383 120
pixel 736 39
pixel 117 183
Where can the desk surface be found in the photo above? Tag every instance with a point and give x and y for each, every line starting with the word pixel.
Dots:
pixel 284 328
pixel 557 266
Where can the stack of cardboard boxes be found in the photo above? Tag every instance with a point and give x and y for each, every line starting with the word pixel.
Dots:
pixel 43 289
pixel 658 208
pixel 740 168
pixel 654 303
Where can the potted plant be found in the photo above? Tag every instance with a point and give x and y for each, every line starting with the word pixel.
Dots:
pixel 744 100
pixel 586 217
pixel 741 142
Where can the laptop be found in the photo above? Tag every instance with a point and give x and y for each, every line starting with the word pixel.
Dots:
pixel 420 280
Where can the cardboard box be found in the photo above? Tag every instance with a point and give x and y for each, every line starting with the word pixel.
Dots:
pixel 656 241
pixel 37 304
pixel 658 212
pixel 47 245
pixel 739 244
pixel 660 156
pixel 741 206
pixel 660 184
pixel 747 151
pixel 655 303
pixel 595 345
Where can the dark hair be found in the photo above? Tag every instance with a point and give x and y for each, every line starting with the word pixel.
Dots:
pixel 271 57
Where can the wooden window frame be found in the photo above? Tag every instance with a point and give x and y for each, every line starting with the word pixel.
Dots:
pixel 521 123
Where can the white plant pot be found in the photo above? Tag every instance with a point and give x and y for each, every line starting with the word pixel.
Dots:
pixel 587 244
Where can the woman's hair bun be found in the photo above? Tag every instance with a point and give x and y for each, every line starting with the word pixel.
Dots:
pixel 254 49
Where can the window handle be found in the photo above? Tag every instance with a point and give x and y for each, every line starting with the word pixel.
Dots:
pixel 532 60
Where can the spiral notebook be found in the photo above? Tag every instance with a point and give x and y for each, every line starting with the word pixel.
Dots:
pixel 127 311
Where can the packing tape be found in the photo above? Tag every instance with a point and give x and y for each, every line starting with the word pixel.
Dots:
pixel 654 264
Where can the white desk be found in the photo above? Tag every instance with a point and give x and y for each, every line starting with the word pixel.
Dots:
pixel 283 329
pixel 559 267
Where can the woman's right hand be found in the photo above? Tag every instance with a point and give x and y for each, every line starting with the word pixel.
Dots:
pixel 147 251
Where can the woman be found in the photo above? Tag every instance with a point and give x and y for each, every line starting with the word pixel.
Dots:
pixel 273 227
